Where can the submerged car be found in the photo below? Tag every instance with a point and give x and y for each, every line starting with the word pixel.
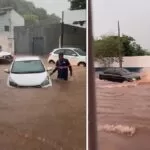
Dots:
pixel 6 57
pixel 28 72
pixel 118 75
pixel 76 56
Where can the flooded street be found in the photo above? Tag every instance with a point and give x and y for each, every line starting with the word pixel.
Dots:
pixel 124 104
pixel 43 119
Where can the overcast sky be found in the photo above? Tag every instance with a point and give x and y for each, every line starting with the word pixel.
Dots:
pixel 52 6
pixel 134 16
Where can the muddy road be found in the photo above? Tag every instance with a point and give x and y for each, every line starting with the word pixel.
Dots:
pixel 126 104
pixel 43 119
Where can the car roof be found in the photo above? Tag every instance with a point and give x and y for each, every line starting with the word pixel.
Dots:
pixel 72 48
pixel 27 58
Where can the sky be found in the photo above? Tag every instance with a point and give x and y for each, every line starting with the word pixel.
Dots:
pixel 52 6
pixel 133 15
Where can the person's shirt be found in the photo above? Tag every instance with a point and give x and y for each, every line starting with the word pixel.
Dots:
pixel 63 64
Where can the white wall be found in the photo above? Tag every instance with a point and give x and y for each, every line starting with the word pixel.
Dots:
pixel 4 21
pixel 12 19
pixel 4 42
pixel 135 61
pixel 17 19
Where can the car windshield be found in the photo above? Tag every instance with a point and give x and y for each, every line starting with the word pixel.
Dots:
pixel 24 67
pixel 80 52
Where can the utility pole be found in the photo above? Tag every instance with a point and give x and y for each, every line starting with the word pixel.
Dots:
pixel 62 30
pixel 119 47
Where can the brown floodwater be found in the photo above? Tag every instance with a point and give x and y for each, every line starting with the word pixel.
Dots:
pixel 124 105
pixel 44 119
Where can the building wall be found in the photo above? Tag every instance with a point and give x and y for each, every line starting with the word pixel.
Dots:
pixel 134 61
pixel 11 19
pixel 28 40
pixel 4 42
pixel 17 19
pixel 4 21
pixel 74 37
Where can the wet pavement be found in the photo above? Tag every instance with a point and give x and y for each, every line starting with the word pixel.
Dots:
pixel 43 119
pixel 126 104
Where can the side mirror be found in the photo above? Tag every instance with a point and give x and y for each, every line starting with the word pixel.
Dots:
pixel 6 71
pixel 49 69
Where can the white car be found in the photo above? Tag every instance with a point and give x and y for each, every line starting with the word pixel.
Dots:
pixel 76 56
pixel 6 57
pixel 28 72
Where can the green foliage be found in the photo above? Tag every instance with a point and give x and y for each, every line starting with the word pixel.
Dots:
pixel 29 11
pixel 77 4
pixel 107 48
pixel 30 19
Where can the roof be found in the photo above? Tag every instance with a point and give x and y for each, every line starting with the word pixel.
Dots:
pixel 72 48
pixel 27 58
pixel 4 10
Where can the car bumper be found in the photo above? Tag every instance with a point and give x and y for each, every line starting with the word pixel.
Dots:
pixel 134 79
pixel 29 86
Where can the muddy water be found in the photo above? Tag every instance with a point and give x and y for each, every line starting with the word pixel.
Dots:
pixel 125 104
pixel 43 119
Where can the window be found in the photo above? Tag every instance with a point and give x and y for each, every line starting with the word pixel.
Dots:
pixel 109 71
pixel 70 52
pixel 80 52
pixel 6 28
pixel 59 51
pixel 24 67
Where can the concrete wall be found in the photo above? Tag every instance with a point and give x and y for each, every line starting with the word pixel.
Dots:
pixel 16 19
pixel 75 37
pixel 4 21
pixel 24 38
pixel 4 42
pixel 134 61
pixel 11 19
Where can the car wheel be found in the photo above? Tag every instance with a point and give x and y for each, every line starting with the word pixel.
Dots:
pixel 82 64
pixel 51 62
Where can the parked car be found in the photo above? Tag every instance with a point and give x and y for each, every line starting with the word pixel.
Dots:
pixel 118 75
pixel 6 57
pixel 28 72
pixel 76 56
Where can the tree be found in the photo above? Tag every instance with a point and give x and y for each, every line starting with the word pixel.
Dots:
pixel 30 19
pixel 29 11
pixel 77 4
pixel 107 49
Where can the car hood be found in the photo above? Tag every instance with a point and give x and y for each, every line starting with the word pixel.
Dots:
pixel 3 53
pixel 132 75
pixel 33 79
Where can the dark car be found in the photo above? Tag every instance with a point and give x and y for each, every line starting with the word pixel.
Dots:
pixel 118 75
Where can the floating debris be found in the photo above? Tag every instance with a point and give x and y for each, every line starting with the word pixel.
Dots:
pixel 121 129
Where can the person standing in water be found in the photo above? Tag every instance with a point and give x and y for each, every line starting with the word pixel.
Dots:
pixel 62 66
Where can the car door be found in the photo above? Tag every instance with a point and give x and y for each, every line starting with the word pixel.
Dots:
pixel 117 76
pixel 71 56
pixel 108 74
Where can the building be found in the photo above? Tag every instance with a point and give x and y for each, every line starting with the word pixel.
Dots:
pixel 9 19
